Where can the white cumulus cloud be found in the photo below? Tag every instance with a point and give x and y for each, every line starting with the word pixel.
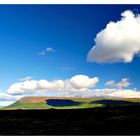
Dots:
pixel 122 84
pixel 34 86
pixel 76 86
pixel 98 93
pixel 82 81
pixel 118 42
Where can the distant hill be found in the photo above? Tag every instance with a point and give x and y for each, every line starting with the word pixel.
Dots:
pixel 69 103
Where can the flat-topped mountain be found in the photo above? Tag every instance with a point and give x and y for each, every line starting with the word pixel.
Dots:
pixel 69 103
pixel 43 98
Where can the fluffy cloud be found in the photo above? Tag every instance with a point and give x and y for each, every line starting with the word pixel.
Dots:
pixel 76 86
pixel 47 50
pixel 122 93
pixel 46 85
pixel 31 86
pixel 82 81
pixel 118 42
pixel 98 93
pixel 122 84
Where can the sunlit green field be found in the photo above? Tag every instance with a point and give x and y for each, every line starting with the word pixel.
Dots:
pixel 42 103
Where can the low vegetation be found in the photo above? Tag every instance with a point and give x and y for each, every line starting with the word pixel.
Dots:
pixel 77 103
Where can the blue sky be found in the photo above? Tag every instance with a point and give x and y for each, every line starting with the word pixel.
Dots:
pixel 69 30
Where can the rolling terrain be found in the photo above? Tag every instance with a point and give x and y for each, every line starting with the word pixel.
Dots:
pixel 71 116
pixel 69 103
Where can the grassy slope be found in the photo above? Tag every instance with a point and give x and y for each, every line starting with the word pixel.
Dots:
pixel 85 103
pixel 43 105
pixel 27 105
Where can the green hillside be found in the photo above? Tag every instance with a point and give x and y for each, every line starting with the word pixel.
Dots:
pixel 43 105
pixel 67 103
pixel 25 105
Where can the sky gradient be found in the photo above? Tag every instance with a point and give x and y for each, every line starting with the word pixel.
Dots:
pixel 52 42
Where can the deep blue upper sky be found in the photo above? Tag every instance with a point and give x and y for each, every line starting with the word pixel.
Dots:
pixel 70 30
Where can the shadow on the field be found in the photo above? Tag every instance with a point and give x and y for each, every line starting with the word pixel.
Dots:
pixel 115 120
